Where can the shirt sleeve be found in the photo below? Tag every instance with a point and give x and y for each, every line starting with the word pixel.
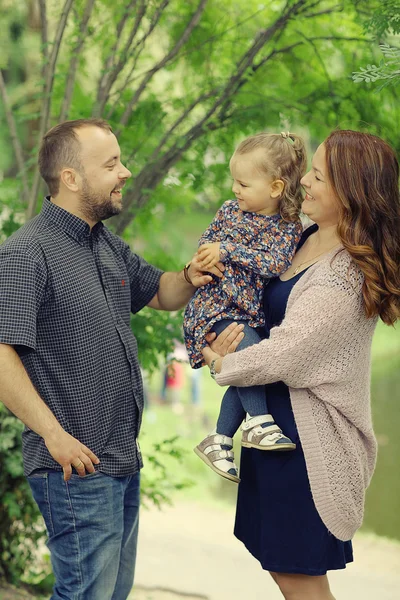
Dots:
pixel 267 256
pixel 23 281
pixel 304 350
pixel 144 279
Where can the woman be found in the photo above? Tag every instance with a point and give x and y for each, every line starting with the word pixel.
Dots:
pixel 297 512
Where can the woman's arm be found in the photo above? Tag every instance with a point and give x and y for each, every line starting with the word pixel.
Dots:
pixel 306 350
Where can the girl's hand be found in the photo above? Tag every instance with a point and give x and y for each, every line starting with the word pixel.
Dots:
pixel 208 255
pixel 197 274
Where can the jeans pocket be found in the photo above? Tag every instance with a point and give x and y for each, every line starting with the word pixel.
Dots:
pixel 39 474
pixel 39 484
pixel 77 477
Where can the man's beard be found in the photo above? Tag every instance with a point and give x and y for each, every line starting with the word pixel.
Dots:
pixel 96 207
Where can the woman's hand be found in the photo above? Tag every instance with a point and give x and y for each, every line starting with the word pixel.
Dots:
pixel 225 343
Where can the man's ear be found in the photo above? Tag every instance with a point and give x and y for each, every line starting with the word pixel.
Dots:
pixel 71 179
pixel 277 188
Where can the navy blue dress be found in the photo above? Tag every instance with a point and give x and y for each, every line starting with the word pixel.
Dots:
pixel 276 518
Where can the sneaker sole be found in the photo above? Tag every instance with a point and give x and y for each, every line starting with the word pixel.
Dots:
pixel 210 464
pixel 276 448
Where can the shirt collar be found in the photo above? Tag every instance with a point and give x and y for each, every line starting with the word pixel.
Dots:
pixel 71 224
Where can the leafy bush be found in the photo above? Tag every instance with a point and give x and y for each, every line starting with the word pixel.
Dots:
pixel 21 526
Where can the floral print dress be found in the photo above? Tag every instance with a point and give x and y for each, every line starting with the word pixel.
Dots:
pixel 254 247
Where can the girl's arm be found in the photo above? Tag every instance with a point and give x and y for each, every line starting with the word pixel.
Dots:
pixel 213 231
pixel 267 256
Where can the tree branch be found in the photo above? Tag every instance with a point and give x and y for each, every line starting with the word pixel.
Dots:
pixel 43 34
pixel 287 49
pixel 19 155
pixel 180 120
pixel 328 11
pixel 112 75
pixel 48 86
pixel 139 46
pixel 111 56
pixel 167 58
pixel 69 88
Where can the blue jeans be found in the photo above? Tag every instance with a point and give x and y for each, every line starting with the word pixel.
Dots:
pixel 238 401
pixel 92 524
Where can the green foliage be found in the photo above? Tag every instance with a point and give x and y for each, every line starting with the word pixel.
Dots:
pixel 384 23
pixel 21 527
pixel 385 19
pixel 158 483
pixel 388 70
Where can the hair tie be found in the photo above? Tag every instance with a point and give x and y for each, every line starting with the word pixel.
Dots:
pixel 287 136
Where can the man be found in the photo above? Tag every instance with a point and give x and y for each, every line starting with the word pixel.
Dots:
pixel 68 359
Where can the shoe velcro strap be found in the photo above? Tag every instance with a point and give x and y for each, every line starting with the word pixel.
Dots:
pixel 216 448
pixel 260 420
pixel 217 454
pixel 266 431
pixel 226 454
pixel 219 438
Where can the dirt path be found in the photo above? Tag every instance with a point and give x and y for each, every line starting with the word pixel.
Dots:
pixel 188 552
pixel 189 548
pixel 140 593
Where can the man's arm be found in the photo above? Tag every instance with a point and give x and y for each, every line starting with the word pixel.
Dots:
pixel 19 395
pixel 175 291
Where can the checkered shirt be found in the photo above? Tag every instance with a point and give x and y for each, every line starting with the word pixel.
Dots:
pixel 66 294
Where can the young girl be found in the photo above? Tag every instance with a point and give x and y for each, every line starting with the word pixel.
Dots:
pixel 255 237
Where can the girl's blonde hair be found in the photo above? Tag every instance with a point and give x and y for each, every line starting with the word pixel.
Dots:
pixel 284 158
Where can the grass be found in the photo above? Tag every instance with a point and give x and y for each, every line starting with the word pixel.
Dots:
pixel 189 424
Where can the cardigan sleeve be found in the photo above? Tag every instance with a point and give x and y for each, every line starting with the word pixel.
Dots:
pixel 313 345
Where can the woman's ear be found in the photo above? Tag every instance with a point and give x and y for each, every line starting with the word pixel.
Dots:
pixel 277 188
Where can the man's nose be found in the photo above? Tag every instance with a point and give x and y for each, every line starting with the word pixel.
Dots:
pixel 125 173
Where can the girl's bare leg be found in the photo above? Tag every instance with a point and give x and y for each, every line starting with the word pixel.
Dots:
pixel 303 587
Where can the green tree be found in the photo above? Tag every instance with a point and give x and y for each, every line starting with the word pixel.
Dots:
pixel 175 78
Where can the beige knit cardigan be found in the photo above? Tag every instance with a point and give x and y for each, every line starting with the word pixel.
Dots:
pixel 321 350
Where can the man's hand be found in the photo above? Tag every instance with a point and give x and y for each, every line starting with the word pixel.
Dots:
pixel 208 255
pixel 69 452
pixel 197 275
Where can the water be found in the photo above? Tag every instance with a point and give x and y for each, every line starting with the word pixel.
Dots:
pixel 382 511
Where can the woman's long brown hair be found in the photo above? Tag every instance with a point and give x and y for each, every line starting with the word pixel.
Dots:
pixel 364 173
